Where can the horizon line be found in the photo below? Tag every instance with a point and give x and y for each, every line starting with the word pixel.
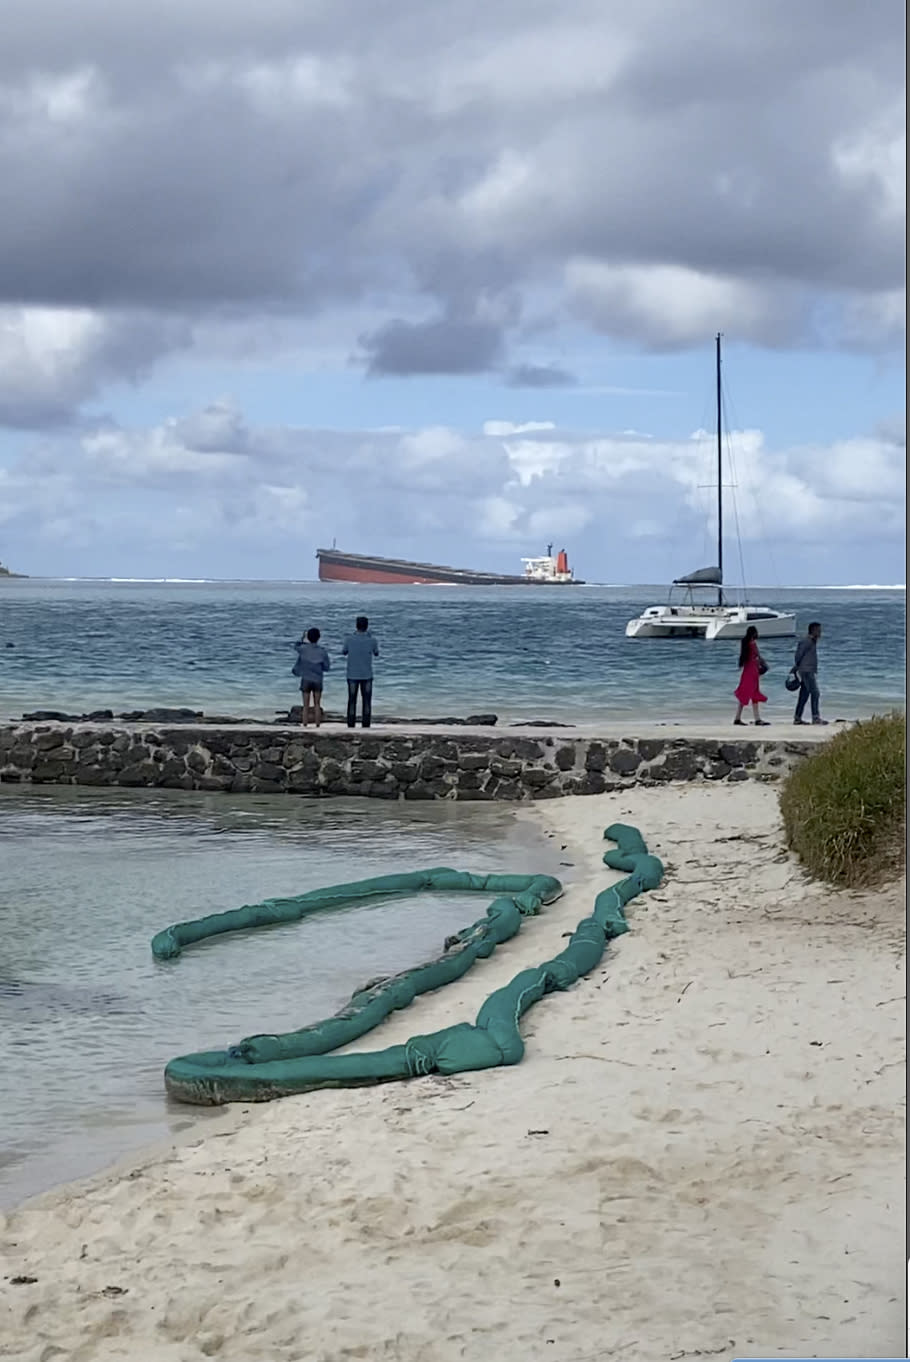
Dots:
pixel 314 581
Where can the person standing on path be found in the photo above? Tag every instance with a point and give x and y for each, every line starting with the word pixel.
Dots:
pixel 748 692
pixel 360 648
pixel 311 666
pixel 805 666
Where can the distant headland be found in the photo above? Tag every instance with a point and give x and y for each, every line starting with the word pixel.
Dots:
pixel 7 572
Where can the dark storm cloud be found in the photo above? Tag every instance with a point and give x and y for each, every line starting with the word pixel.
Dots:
pixel 539 376
pixel 193 157
pixel 435 347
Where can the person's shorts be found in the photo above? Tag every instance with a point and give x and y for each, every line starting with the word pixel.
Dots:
pixel 311 688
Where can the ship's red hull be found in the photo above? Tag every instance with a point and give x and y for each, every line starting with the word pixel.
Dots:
pixel 342 572
pixel 335 566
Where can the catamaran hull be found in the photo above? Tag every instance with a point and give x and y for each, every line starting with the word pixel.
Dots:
pixel 723 625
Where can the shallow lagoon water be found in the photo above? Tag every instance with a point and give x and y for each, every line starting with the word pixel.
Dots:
pixel 88 876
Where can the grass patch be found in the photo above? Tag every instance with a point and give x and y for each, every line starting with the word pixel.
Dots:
pixel 844 808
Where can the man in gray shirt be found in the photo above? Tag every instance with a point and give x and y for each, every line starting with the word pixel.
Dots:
pixel 806 668
pixel 360 648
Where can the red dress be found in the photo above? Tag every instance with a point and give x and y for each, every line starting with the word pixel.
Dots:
pixel 748 692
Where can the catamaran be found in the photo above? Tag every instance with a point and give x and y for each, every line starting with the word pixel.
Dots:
pixel 688 614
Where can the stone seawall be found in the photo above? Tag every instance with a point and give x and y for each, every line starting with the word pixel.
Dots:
pixel 263 759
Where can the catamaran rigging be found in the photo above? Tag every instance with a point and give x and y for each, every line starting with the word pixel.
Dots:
pixel 689 618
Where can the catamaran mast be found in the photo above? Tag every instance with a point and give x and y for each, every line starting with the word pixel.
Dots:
pixel 720 485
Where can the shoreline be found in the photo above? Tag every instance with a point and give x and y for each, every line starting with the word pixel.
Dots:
pixel 611 719
pixel 617 719
pixel 731 1072
pixel 401 714
pixel 238 853
pixel 619 731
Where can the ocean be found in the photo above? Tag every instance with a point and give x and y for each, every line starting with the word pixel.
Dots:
pixel 88 876
pixel 89 1019
pixel 521 653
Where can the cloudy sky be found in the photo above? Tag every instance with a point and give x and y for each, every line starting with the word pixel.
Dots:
pixel 442 281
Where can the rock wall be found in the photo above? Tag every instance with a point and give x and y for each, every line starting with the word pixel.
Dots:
pixel 268 760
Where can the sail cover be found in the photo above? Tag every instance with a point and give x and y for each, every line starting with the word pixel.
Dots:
pixel 710 576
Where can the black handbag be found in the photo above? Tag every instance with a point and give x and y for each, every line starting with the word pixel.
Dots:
pixel 762 665
pixel 792 682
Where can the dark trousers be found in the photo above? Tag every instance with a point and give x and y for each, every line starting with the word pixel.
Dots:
pixel 366 702
pixel 808 690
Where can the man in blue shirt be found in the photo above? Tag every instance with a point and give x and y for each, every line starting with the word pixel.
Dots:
pixel 805 666
pixel 360 648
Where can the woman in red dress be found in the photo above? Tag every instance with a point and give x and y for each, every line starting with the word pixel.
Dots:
pixel 748 692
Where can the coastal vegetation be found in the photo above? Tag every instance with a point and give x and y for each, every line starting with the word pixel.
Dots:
pixel 844 808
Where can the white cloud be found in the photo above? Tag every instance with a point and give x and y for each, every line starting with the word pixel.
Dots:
pixel 499 196
pixel 501 428
pixel 213 478
pixel 682 306
pixel 431 446
pixel 64 98
pixel 284 89
pixel 555 61
pixel 564 519
pixel 156 457
pixel 530 459
pixel 497 517
pixel 218 427
pixel 54 359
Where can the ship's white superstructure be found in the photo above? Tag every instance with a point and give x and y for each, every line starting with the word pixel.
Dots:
pixel 547 568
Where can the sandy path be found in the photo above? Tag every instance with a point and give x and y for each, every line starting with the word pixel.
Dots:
pixel 701 1154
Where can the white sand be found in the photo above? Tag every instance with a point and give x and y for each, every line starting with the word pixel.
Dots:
pixel 718 1168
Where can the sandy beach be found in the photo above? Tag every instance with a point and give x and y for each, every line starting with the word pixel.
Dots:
pixel 701 1155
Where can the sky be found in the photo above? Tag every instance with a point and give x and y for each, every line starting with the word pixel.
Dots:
pixel 442 282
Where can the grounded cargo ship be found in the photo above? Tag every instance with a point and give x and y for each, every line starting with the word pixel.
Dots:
pixel 335 566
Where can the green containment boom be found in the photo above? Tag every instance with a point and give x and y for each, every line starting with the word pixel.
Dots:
pixel 263 1067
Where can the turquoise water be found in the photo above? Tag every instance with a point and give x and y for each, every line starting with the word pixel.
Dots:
pixel 89 1019
pixel 521 653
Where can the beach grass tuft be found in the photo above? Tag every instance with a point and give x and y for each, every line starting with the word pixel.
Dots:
pixel 844 808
